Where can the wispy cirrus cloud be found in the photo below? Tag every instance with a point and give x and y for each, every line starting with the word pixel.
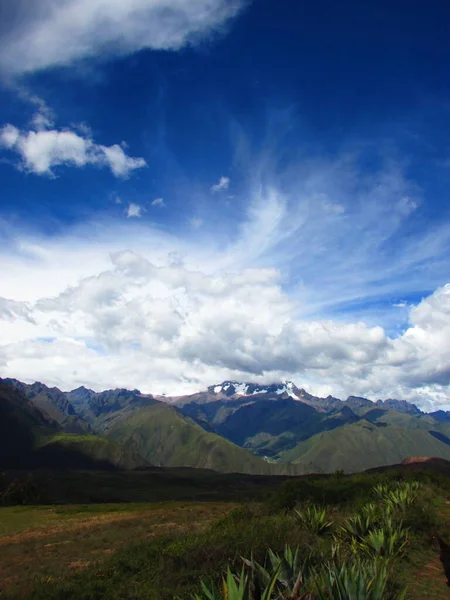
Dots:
pixel 48 33
pixel 340 235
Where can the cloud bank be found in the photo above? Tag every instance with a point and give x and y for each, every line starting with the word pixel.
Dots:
pixel 169 328
pixel 53 33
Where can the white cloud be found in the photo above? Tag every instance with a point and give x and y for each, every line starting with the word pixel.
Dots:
pixel 134 210
pixel 60 33
pixel 171 328
pixel 42 150
pixel 121 164
pixel 222 184
pixel 44 116
pixel 11 310
pixel 159 202
pixel 9 136
pixel 401 304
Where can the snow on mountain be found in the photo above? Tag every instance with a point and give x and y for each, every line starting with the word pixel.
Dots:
pixel 235 388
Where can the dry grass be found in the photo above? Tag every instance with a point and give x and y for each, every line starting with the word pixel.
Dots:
pixel 46 542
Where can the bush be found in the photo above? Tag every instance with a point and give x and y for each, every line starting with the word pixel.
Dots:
pixel 21 491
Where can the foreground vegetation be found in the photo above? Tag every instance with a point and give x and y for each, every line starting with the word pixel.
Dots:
pixel 367 536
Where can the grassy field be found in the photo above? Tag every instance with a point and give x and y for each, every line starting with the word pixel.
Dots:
pixel 161 550
pixel 50 542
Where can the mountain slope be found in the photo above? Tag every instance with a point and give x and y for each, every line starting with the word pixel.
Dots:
pixel 290 426
pixel 266 425
pixel 230 427
pixel 29 438
pixel 101 409
pixel 74 451
pixel 54 403
pixel 21 425
pixel 364 445
pixel 163 436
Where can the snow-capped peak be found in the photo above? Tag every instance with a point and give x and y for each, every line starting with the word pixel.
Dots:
pixel 232 388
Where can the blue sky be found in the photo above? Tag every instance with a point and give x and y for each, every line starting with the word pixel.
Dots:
pixel 202 190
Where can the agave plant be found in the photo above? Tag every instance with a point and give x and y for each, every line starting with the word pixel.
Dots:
pixel 397 496
pixel 381 490
pixel 315 519
pixel 386 541
pixel 370 510
pixel 290 568
pixel 239 587
pixel 401 497
pixel 357 526
pixel 353 581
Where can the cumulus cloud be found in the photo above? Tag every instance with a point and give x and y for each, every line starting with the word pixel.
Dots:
pixel 42 150
pixel 174 329
pixel 50 33
pixel 222 184
pixel 121 164
pixel 134 210
pixel 11 310
pixel 158 202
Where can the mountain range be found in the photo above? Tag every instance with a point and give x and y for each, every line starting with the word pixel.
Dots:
pixel 229 427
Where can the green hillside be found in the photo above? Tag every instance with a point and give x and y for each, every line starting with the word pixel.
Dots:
pixel 364 445
pixel 163 436
pixel 84 452
pixel 266 427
